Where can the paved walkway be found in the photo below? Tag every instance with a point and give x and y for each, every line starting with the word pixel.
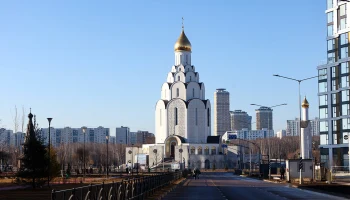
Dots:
pixel 215 186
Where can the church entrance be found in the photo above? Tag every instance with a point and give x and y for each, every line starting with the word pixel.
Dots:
pixel 172 149
pixel 207 164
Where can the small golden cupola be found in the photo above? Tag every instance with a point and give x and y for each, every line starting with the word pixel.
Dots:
pixel 305 103
pixel 183 44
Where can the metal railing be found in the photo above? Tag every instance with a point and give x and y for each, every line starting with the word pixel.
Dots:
pixel 128 189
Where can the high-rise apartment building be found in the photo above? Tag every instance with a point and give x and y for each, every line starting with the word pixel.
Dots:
pixel 122 135
pixel 145 137
pixel 222 119
pixel 280 134
pixel 264 118
pixel 69 135
pixel 240 120
pixel 333 88
pixel 293 128
pixel 246 134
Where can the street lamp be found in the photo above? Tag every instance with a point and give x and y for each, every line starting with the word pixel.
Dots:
pixel 181 150
pixel 155 153
pixel 107 138
pixel 132 163
pixel 84 131
pixel 48 175
pixel 268 128
pixel 300 123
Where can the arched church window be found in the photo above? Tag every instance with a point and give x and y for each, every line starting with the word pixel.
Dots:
pixel 193 150
pixel 178 78
pixel 196 117
pixel 190 78
pixel 206 151
pixel 177 92
pixel 199 151
pixel 213 150
pixel 193 92
pixel 208 117
pixel 175 116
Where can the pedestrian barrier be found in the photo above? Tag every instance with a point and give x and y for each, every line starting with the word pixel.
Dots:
pixel 128 189
pixel 340 174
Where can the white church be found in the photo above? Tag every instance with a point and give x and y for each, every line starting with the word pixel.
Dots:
pixel 182 121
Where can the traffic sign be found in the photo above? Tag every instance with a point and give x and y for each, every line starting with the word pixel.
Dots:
pixel 232 137
pixel 346 137
pixel 301 163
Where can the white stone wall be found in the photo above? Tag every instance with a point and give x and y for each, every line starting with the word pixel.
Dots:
pixel 198 133
pixel 161 122
pixel 181 128
pixel 165 94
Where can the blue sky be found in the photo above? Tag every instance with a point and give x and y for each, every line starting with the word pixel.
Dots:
pixel 103 62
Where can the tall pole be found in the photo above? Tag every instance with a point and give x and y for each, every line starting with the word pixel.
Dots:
pixel 107 157
pixel 84 130
pixel 48 174
pixel 268 141
pixel 300 175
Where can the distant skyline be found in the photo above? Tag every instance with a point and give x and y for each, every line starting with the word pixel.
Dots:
pixel 103 64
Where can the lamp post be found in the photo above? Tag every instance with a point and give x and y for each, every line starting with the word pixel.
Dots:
pixel 181 150
pixel 107 166
pixel 155 154
pixel 48 174
pixel 84 131
pixel 299 81
pixel 130 152
pixel 268 129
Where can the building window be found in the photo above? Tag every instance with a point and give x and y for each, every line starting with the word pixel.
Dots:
pixel 199 151
pixel 345 81
pixel 323 113
pixel 329 17
pixel 206 151
pixel 324 138
pixel 335 98
pixel 176 115
pixel 342 10
pixel 342 23
pixel 330 30
pixel 344 39
pixel 345 95
pixel 190 78
pixel 196 117
pixel 322 87
pixel 345 109
pixel 344 52
pixel 335 113
pixel 330 45
pixel 344 68
pixel 178 78
pixel 177 92
pixel 193 150
pixel 331 57
pixel 323 100
pixel 322 74
pixel 329 4
pixel 213 150
pixel 346 123
pixel 323 126
pixel 193 92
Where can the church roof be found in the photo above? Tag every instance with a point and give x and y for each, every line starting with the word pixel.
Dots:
pixel 182 43
pixel 213 139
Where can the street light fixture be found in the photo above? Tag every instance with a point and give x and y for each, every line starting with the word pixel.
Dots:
pixel 107 166
pixel 268 128
pixel 84 131
pixel 300 123
pixel 48 174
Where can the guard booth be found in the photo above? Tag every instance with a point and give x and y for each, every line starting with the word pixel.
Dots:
pixel 293 173
pixel 264 171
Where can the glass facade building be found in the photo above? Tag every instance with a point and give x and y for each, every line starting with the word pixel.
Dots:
pixel 333 88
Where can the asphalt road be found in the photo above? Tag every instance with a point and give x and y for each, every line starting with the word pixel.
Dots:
pixel 215 186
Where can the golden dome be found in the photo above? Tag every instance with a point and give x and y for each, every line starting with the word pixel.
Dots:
pixel 305 103
pixel 183 44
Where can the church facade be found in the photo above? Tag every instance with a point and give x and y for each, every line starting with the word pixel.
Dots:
pixel 182 120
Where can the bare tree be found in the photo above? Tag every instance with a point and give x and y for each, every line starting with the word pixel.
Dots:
pixel 15 121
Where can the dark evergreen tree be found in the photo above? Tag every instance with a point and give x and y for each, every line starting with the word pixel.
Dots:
pixel 34 161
